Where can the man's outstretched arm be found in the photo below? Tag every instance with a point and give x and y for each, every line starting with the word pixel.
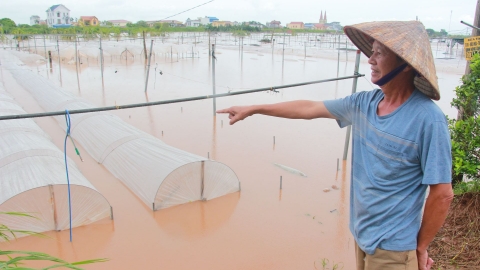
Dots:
pixel 298 109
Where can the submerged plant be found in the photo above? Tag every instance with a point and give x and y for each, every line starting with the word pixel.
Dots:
pixel 324 263
pixel 14 259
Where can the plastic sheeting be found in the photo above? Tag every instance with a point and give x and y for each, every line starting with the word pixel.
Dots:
pixel 33 179
pixel 159 174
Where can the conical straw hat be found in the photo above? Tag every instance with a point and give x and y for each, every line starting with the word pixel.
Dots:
pixel 409 40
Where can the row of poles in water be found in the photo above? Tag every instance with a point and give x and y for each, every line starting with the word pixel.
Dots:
pixel 211 52
pixel 213 58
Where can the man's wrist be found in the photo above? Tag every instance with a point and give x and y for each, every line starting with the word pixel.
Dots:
pixel 422 249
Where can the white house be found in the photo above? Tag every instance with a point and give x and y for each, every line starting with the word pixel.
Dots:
pixel 58 14
pixel 192 23
pixel 34 19
pixel 205 20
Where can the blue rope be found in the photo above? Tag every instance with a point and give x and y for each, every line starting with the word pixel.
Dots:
pixel 67 119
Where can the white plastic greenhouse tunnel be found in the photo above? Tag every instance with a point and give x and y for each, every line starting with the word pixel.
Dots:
pixel 160 175
pixel 33 179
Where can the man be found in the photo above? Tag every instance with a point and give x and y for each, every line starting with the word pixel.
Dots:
pixel 401 146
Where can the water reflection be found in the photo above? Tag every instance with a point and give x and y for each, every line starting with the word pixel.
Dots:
pixel 198 218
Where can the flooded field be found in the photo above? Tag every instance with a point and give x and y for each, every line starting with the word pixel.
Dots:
pixel 299 226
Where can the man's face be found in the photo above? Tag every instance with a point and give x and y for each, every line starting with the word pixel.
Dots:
pixel 382 61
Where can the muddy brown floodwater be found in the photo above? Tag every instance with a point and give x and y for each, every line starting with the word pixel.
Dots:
pixel 260 227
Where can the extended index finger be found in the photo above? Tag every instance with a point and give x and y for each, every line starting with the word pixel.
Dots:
pixel 224 110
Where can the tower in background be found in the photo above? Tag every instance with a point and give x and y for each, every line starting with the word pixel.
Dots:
pixel 323 17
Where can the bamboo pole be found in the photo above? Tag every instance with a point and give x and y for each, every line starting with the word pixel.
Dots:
pixel 213 80
pixel 148 67
pixel 76 63
pixel 144 46
pixel 101 61
pixel 59 65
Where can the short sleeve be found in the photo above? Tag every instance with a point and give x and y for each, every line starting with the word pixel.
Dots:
pixel 436 155
pixel 342 109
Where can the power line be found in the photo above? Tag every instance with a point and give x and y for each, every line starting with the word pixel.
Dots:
pixel 188 10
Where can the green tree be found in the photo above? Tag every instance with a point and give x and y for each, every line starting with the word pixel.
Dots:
pixel 7 25
pixel 430 32
pixel 141 24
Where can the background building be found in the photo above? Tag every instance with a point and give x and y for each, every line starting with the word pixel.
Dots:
pixel 323 18
pixel 221 23
pixel 58 15
pixel 296 25
pixel 88 21
pixel 120 23
pixel 193 23
pixel 274 24
pixel 34 20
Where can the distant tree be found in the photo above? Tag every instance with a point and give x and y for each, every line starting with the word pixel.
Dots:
pixel 443 32
pixel 430 32
pixel 158 26
pixel 7 25
pixel 142 24
pixel 7 22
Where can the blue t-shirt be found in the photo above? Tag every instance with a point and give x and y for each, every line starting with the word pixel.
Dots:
pixel 395 158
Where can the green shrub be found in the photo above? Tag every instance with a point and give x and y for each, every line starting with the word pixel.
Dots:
pixel 465 131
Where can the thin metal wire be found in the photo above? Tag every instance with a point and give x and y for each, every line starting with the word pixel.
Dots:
pixel 188 10
pixel 153 103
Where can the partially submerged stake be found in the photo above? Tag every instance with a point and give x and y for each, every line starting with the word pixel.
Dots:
pixel 101 60
pixel 213 79
pixel 76 63
pixel 148 67
pixel 50 58
pixel 59 66
pixel 280 182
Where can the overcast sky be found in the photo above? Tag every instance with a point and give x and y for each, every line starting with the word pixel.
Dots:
pixel 436 14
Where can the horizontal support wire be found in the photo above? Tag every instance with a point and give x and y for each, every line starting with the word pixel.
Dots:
pixel 153 103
